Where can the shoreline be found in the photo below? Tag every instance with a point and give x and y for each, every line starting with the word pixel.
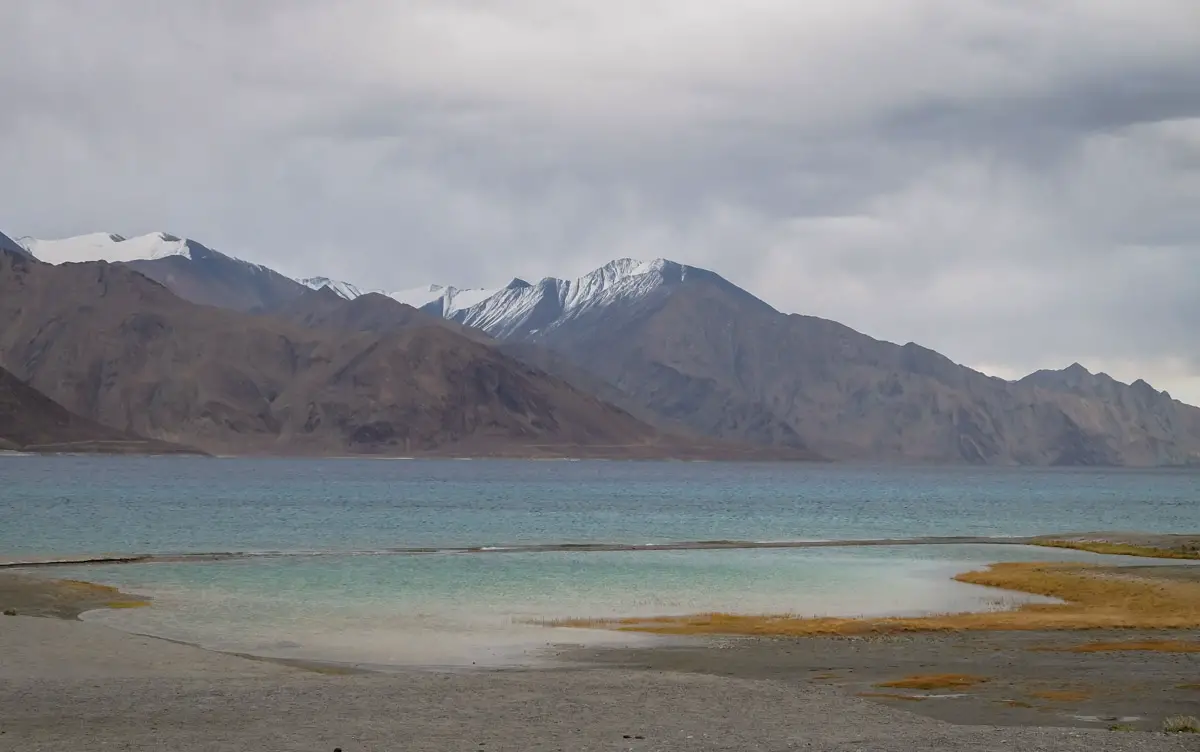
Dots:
pixel 1163 595
pixel 1144 545
pixel 1089 690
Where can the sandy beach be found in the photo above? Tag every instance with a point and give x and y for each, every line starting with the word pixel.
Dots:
pixel 73 685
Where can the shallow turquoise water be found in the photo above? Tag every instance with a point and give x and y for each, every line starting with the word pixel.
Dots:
pixel 486 608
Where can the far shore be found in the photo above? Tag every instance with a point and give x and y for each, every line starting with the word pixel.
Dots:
pixel 668 451
pixel 1146 545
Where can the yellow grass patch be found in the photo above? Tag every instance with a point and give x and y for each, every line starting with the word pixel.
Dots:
pixel 935 681
pixel 1123 549
pixel 92 590
pixel 1062 695
pixel 1144 646
pixel 890 696
pixel 88 587
pixel 1094 599
pixel 127 604
pixel 1187 686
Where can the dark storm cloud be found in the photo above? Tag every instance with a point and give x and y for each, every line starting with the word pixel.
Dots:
pixel 1013 183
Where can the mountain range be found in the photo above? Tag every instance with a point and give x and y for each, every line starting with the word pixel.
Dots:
pixel 116 347
pixel 662 354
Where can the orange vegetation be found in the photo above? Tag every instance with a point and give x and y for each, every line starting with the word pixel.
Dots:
pixel 92 590
pixel 1094 599
pixel 1062 695
pixel 936 681
pixel 1186 551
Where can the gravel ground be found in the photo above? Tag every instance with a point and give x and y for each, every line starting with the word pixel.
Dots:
pixel 1025 678
pixel 76 686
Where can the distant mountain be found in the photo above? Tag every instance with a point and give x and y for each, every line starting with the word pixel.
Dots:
pixel 31 421
pixel 343 290
pixel 1145 426
pixel 692 347
pixel 118 348
pixel 191 270
pixel 435 299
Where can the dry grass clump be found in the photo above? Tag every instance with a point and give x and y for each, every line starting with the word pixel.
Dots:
pixel 935 681
pixel 1187 686
pixel 1095 599
pixel 1186 551
pixel 87 587
pixel 1181 724
pixel 1144 646
pixel 1062 695
pixel 890 696
pixel 81 589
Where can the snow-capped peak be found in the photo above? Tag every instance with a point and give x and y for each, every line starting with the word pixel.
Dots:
pixel 437 299
pixel 521 309
pixel 344 289
pixel 105 246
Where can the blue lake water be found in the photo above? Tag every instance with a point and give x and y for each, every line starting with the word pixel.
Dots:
pixel 358 604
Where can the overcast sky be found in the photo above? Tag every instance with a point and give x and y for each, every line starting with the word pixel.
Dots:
pixel 1015 183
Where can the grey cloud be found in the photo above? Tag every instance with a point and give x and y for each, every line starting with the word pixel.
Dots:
pixel 1013 183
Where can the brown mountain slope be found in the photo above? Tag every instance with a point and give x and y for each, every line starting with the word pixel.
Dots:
pixel 705 353
pixel 380 314
pixel 31 421
pixel 211 278
pixel 120 349
pixel 372 312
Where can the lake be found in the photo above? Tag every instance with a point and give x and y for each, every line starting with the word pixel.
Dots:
pixel 321 578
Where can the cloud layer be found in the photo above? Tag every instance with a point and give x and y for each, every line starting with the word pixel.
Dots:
pixel 1013 183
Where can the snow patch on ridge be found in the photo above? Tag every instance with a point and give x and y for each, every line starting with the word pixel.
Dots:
pixel 105 246
pixel 438 299
pixel 444 300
